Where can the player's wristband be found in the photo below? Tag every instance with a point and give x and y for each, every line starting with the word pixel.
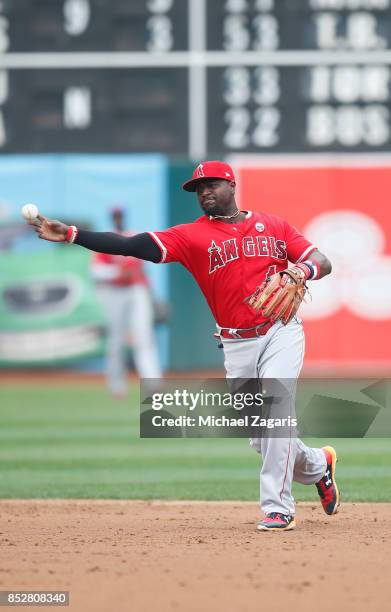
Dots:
pixel 314 268
pixel 71 234
pixel 304 270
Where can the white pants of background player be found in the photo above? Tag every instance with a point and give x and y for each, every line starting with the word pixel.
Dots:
pixel 277 355
pixel 129 310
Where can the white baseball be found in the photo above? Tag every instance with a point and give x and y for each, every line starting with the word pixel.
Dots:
pixel 30 212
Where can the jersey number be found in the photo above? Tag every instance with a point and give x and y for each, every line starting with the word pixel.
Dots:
pixel 272 270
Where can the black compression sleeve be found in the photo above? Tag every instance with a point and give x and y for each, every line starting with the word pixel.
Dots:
pixel 141 246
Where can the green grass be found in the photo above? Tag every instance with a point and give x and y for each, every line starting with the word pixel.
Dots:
pixel 75 441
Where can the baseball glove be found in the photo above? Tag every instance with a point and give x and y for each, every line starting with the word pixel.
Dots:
pixel 280 295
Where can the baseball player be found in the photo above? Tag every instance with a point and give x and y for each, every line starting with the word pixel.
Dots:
pixel 230 252
pixel 123 289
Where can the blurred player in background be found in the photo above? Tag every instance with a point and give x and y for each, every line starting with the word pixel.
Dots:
pixel 124 291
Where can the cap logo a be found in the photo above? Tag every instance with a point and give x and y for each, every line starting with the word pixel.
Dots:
pixel 200 171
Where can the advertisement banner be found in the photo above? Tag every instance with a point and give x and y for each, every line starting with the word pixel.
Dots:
pixel 343 208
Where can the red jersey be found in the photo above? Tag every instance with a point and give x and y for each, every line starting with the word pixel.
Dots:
pixel 229 260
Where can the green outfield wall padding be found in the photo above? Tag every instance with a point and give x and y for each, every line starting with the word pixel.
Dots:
pixel 192 345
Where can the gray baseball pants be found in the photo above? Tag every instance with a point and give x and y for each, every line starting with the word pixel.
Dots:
pixel 129 310
pixel 277 355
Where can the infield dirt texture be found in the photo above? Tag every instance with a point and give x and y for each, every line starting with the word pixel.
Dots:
pixel 71 441
pixel 145 556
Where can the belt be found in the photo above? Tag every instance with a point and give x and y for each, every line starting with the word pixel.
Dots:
pixel 238 334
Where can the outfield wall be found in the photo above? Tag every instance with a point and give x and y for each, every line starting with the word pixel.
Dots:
pixel 49 313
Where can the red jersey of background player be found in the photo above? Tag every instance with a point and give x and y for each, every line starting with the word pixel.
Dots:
pixel 229 260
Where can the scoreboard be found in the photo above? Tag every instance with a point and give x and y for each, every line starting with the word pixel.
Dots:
pixel 195 76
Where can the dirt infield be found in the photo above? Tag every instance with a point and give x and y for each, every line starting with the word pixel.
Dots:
pixel 189 556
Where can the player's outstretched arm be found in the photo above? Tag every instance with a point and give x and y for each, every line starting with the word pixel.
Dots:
pixel 141 245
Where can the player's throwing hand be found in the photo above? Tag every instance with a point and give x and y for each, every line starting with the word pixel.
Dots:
pixel 49 229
